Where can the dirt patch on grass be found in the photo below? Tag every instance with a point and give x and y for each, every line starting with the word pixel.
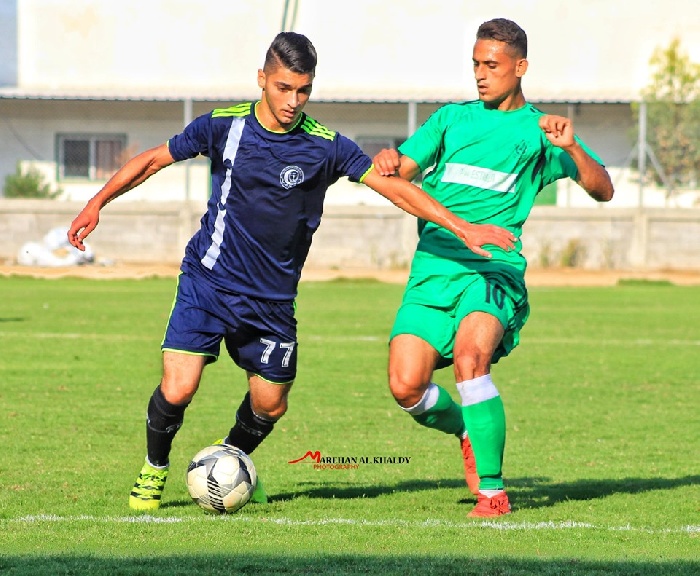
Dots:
pixel 535 277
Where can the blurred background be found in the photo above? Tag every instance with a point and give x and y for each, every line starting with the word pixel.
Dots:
pixel 86 84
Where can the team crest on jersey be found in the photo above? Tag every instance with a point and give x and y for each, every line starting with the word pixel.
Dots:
pixel 521 148
pixel 291 176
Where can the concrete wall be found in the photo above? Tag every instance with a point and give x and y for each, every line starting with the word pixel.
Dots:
pixel 377 237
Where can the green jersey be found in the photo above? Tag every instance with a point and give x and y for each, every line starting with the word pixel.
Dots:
pixel 487 167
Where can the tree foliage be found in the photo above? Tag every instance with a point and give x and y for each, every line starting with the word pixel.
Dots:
pixel 28 183
pixel 673 116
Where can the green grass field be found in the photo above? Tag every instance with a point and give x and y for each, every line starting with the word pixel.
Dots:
pixel 602 460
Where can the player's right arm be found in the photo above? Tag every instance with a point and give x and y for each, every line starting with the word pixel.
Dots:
pixel 133 173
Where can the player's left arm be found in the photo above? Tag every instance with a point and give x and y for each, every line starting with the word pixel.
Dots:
pixel 592 177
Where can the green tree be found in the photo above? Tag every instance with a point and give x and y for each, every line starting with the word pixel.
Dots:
pixel 28 183
pixel 673 116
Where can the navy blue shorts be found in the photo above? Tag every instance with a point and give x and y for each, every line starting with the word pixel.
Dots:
pixel 260 335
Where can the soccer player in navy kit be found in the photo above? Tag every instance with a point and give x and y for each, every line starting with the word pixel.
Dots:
pixel 271 165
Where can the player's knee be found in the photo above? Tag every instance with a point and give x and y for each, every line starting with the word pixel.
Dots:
pixel 256 415
pixel 270 409
pixel 178 393
pixel 470 364
pixel 177 387
pixel 163 415
pixel 273 414
pixel 406 390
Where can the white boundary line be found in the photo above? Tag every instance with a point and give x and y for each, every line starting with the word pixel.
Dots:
pixel 505 526
pixel 365 338
pixel 76 336
pixel 613 342
pixel 544 341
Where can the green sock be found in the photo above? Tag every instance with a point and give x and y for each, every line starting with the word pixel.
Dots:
pixel 485 421
pixel 438 410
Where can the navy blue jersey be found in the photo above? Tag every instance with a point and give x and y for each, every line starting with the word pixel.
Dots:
pixel 267 193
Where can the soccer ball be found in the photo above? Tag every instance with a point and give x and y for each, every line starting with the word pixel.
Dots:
pixel 221 478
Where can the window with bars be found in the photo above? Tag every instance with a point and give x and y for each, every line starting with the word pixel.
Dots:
pixel 89 156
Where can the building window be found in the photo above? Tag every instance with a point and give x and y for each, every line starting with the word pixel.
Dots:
pixel 89 156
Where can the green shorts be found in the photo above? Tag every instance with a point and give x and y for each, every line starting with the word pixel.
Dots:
pixel 433 307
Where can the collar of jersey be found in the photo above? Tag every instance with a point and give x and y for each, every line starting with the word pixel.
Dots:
pixel 272 132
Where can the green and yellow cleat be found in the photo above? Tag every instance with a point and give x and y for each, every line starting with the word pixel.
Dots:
pixel 145 495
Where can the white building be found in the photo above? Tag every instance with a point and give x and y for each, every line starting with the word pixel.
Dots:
pixel 86 83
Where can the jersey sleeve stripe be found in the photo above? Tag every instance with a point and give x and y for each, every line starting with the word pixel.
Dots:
pixel 238 110
pixel 314 128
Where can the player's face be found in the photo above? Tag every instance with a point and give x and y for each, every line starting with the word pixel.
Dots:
pixel 497 71
pixel 285 93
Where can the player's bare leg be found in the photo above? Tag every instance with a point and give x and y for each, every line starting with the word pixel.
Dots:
pixel 484 417
pixel 411 364
pixel 262 406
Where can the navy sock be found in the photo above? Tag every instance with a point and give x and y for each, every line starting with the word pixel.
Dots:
pixel 163 421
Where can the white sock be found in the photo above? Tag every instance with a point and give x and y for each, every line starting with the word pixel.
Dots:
pixel 427 401
pixel 479 389
pixel 490 493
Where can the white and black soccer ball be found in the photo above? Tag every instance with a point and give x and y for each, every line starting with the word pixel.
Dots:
pixel 221 478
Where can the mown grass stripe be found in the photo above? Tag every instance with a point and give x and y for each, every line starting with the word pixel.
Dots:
pixel 495 525
pixel 367 338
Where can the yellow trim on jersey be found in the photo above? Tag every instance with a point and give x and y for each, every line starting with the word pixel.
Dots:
pixel 313 127
pixel 237 110
pixel 287 131
pixel 188 353
pixel 365 174
pixel 272 381
pixel 177 286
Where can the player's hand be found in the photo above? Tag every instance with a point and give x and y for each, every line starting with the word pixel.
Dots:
pixel 83 224
pixel 559 130
pixel 387 161
pixel 476 236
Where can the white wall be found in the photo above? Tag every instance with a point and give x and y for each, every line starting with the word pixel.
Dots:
pixel 597 49
pixel 8 42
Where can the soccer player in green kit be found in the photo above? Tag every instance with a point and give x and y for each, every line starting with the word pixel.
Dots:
pixel 490 158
